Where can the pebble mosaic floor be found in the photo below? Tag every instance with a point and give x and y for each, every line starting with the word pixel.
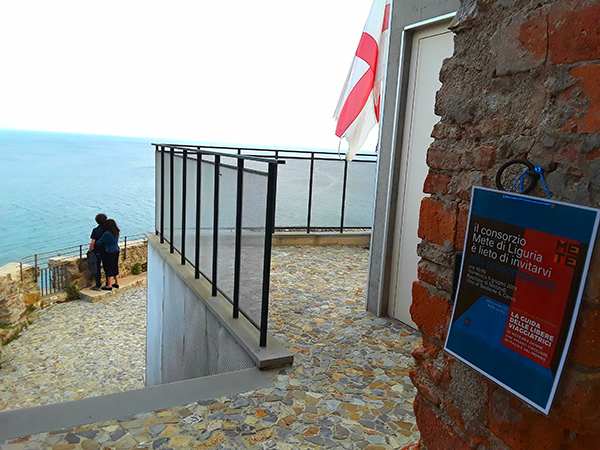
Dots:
pixel 77 349
pixel 348 388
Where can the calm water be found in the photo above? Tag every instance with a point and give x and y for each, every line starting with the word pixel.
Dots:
pixel 53 184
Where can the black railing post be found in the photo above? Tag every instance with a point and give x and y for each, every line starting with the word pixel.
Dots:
pixel 162 195
pixel 125 248
pixel 183 205
pixel 36 268
pixel 215 254
pixel 345 185
pixel 80 252
pixel 310 190
pixel 172 202
pixel 238 238
pixel 198 211
pixel 269 228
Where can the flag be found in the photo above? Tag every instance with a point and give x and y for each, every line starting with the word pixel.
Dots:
pixel 359 105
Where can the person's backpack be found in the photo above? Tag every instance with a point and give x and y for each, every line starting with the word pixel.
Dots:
pixel 92 262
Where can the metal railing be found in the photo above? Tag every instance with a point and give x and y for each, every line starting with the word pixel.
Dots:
pixel 51 274
pixel 217 210
pixel 52 280
pixel 318 191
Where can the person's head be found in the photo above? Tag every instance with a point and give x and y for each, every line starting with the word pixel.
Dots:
pixel 111 226
pixel 101 218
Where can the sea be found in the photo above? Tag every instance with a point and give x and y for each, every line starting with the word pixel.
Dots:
pixel 53 184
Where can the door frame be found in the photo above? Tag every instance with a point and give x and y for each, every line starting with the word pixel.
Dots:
pixel 400 139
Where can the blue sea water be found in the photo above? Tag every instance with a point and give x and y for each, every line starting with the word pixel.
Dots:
pixel 53 184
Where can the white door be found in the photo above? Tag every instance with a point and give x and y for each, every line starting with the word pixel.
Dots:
pixel 430 47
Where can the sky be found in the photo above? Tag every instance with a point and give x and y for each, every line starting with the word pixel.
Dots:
pixel 254 73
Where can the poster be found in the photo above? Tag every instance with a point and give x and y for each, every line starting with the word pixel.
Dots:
pixel 522 276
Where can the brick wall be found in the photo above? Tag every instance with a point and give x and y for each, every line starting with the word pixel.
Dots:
pixel 524 82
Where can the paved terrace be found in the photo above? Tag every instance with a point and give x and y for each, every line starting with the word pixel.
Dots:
pixel 348 387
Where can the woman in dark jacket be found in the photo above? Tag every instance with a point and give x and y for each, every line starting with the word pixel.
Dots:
pixel 110 239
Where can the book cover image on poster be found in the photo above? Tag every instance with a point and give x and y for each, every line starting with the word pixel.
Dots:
pixel 520 285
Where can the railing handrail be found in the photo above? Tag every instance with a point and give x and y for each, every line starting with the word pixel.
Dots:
pixel 199 149
pixel 280 155
pixel 74 250
pixel 166 180
pixel 369 157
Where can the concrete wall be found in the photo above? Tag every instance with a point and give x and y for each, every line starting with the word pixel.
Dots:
pixel 523 83
pixel 185 337
pixel 404 14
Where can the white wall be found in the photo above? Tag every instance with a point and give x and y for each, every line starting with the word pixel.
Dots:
pixel 184 338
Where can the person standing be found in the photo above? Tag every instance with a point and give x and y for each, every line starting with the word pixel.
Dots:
pixel 110 239
pixel 98 249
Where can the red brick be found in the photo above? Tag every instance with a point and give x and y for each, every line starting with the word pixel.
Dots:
pixel 430 312
pixel 577 403
pixel 585 347
pixel 427 276
pixel 439 158
pixel 443 131
pixel 523 42
pixel 435 275
pixel 437 369
pixel 435 434
pixel 588 121
pixel 425 388
pixel 590 156
pixel 480 158
pixel 572 423
pixel 485 157
pixel 567 156
pixel 437 221
pixel 533 35
pixel 436 183
pixel 416 446
pixel 519 426
pixel 419 355
pixel 431 348
pixel 573 32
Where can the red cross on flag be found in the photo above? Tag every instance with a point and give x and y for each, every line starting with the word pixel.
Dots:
pixel 358 109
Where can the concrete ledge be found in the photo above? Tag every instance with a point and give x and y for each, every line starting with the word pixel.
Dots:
pixel 58 416
pixel 359 239
pixel 125 284
pixel 244 333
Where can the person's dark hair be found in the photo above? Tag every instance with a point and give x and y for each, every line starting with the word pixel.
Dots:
pixel 111 226
pixel 101 218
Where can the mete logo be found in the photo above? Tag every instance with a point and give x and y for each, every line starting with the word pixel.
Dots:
pixel 566 253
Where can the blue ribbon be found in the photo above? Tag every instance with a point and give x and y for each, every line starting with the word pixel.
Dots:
pixel 519 180
pixel 538 169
